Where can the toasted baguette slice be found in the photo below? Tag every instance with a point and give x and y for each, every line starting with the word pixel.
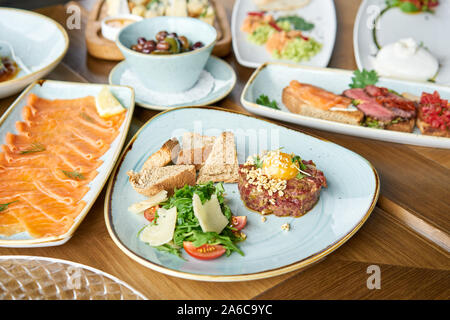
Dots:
pixel 299 106
pixel 163 156
pixel 221 164
pixel 151 181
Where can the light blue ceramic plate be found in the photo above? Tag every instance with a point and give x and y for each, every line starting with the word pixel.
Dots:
pixel 224 81
pixel 38 41
pixel 343 207
pixel 49 89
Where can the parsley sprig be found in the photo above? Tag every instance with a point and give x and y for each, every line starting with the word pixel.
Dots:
pixel 362 79
pixel 265 101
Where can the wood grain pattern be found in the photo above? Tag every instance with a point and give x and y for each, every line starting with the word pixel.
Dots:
pixel 405 235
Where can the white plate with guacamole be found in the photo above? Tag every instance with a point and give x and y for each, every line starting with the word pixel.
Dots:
pixel 316 21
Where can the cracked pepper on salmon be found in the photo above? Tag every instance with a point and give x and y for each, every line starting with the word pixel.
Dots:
pixel 47 164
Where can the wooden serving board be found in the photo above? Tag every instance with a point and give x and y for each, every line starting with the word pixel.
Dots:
pixel 102 48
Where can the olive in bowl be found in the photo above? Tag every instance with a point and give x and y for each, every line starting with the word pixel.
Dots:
pixel 156 51
pixel 165 43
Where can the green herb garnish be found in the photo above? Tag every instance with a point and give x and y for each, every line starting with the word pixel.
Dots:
pixel 73 175
pixel 35 147
pixel 4 206
pixel 265 101
pixel 188 227
pixel 258 161
pixel 297 23
pixel 362 79
pixel 86 117
pixel 300 162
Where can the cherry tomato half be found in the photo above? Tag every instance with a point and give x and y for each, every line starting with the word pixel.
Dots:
pixel 238 222
pixel 204 252
pixel 150 213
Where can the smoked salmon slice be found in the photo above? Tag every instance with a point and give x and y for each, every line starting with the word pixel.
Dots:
pixel 47 164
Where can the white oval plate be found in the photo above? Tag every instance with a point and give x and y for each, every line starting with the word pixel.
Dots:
pixel 320 12
pixel 271 78
pixel 49 89
pixel 37 40
pixel 431 29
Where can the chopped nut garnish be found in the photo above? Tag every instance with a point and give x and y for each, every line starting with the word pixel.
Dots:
pixel 263 219
pixel 285 227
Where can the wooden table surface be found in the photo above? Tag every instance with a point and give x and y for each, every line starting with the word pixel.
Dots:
pixel 407 235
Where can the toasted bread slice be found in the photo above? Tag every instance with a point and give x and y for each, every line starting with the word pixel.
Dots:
pixel 153 180
pixel 195 156
pixel 196 149
pixel 163 156
pixel 193 140
pixel 298 106
pixel 403 126
pixel 427 129
pixel 221 164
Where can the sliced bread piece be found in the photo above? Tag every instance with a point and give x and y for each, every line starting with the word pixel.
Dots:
pixel 153 180
pixel 221 164
pixel 196 149
pixel 293 99
pixel 163 156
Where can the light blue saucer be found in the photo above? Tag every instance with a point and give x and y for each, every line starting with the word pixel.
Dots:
pixel 343 207
pixel 224 81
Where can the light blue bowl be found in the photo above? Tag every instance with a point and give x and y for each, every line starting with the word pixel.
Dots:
pixel 172 72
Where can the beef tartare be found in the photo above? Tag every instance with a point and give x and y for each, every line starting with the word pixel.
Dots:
pixel 281 184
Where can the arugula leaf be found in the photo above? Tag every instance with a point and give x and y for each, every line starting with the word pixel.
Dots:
pixel 188 227
pixel 265 101
pixel 362 79
pixel 297 23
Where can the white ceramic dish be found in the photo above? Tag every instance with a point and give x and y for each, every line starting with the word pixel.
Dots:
pixel 320 12
pixel 271 78
pixel 110 32
pixel 68 90
pixel 429 28
pixel 37 40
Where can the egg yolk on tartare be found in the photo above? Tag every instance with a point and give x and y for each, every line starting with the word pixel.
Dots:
pixel 280 165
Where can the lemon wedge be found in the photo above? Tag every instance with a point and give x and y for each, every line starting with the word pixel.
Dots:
pixel 107 105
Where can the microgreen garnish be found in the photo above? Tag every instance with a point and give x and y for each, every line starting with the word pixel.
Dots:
pixel 73 175
pixel 362 79
pixel 4 206
pixel 265 101
pixel 258 161
pixel 35 147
